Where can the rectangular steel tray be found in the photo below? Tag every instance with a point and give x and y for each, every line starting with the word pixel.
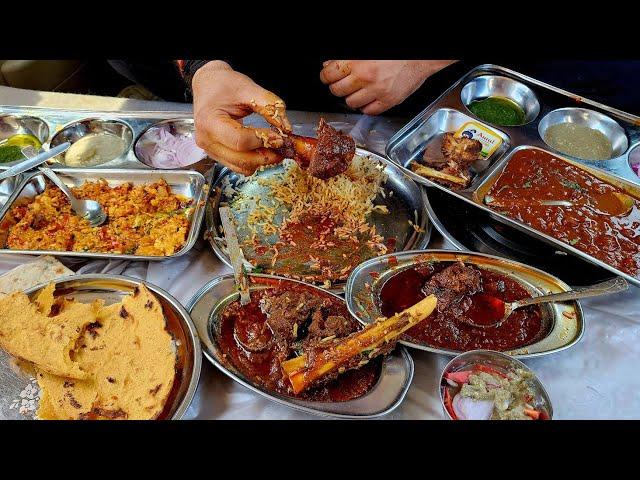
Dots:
pixel 57 119
pixel 185 182
pixel 406 145
pixel 403 148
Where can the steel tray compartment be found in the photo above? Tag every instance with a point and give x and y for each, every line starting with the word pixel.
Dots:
pixel 188 183
pixel 482 189
pixel 111 288
pixel 386 395
pixel 425 132
pixel 566 319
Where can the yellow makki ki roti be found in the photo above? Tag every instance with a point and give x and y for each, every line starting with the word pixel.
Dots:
pixel 92 361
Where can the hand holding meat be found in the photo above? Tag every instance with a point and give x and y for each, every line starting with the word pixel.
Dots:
pixel 374 86
pixel 221 97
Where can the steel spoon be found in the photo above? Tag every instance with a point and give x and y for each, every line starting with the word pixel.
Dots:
pixel 89 209
pixel 618 284
pixel 235 254
pixel 34 158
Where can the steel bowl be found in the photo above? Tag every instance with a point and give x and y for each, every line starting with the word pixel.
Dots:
pixel 486 86
pixel 384 397
pixel 180 127
pixel 501 362
pixel 111 288
pixel 11 125
pixel 587 118
pixel 76 130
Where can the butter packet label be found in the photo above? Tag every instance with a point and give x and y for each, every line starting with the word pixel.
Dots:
pixel 490 141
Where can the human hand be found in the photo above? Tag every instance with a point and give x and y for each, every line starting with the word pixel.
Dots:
pixel 221 97
pixel 374 86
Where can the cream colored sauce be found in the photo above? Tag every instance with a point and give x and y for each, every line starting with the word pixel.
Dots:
pixel 94 149
pixel 579 141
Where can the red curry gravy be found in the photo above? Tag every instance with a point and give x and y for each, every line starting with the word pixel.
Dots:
pixel 441 329
pixel 588 225
pixel 264 368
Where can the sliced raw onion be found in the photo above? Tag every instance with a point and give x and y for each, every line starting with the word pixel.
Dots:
pixel 467 408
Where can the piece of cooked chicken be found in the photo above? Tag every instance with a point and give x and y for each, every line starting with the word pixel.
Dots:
pixel 460 149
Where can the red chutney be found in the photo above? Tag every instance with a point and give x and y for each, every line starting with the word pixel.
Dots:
pixel 441 330
pixel 263 367
pixel 588 225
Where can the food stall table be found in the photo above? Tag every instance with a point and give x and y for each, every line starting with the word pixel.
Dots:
pixel 595 379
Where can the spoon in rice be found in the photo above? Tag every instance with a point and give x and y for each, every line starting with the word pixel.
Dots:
pixel 89 209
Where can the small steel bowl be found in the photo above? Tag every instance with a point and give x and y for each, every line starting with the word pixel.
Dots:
pixel 182 127
pixel 111 288
pixel 11 125
pixel 486 86
pixel 500 361
pixel 588 118
pixel 76 130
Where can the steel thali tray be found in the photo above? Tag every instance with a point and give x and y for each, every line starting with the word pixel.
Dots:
pixel 544 105
pixel 188 183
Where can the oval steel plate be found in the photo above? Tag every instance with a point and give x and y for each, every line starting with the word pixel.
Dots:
pixel 406 202
pixel 386 395
pixel 567 318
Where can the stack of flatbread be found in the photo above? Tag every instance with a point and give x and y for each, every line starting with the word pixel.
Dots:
pixel 92 361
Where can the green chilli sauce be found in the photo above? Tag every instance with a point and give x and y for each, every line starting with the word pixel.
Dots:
pixel 498 110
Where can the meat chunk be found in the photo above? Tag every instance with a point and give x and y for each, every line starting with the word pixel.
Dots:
pixel 460 149
pixel 289 312
pixel 333 154
pixel 332 326
pixel 453 283
pixel 453 170
pixel 324 157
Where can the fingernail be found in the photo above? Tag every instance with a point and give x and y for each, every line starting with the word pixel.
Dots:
pixel 326 62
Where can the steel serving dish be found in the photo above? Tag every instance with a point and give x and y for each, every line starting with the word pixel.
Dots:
pixel 538 99
pixel 188 183
pixel 565 320
pixel 386 395
pixel 500 361
pixel 621 128
pixel 111 288
pixel 407 202
pixel 50 125
pixel 55 125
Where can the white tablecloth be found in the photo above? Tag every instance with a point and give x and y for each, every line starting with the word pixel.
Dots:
pixel 595 379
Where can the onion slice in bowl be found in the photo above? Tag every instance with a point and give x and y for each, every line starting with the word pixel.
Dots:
pixel 467 408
